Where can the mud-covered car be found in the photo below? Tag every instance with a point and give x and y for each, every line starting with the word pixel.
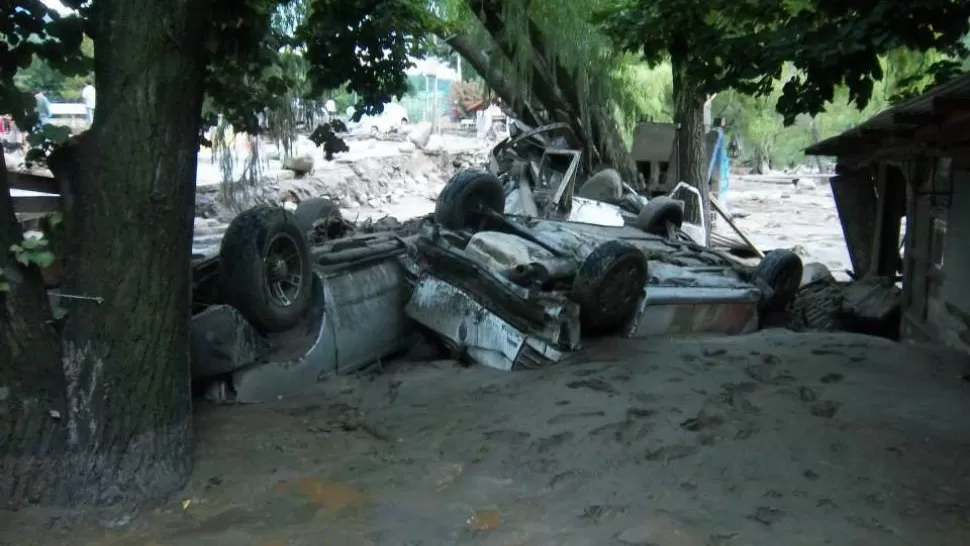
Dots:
pixel 292 297
pixel 518 291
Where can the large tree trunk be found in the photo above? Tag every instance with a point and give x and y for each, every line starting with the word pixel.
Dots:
pixel 32 390
pixel 521 103
pixel 555 88
pixel 126 434
pixel 601 131
pixel 816 137
pixel 691 145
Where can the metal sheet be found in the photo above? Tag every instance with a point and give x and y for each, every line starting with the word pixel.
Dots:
pixel 367 307
pixel 469 326
pixel 590 211
pixel 680 311
pixel 357 318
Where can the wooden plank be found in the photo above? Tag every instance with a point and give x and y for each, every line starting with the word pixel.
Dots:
pixel 871 300
pixel 36 204
pixel 727 218
pixel 877 232
pixel 33 182
pixel 855 200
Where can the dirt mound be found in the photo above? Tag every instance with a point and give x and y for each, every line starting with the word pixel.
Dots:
pixel 369 181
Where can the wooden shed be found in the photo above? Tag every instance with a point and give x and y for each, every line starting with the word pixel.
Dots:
pixel 902 189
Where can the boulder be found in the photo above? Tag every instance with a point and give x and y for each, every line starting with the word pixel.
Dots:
pixel 421 134
pixel 300 165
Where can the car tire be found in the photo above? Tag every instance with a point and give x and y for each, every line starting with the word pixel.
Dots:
pixel 311 210
pixel 608 287
pixel 251 273
pixel 465 198
pixel 781 270
pixel 658 214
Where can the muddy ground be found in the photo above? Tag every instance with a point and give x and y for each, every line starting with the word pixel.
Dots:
pixel 774 438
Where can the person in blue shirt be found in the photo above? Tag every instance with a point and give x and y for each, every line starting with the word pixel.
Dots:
pixel 43 108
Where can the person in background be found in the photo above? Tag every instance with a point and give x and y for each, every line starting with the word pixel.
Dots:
pixel 43 108
pixel 88 95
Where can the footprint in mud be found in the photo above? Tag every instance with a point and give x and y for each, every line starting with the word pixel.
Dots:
pixel 767 515
pixel 590 371
pixel 825 409
pixel 549 443
pixel 704 420
pixel 506 436
pixel 831 378
pixel 623 432
pixel 597 385
pixel 576 416
pixel 670 453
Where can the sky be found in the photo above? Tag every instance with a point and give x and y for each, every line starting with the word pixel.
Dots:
pixel 57 6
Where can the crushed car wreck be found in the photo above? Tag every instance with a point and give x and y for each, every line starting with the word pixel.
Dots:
pixel 512 278
pixel 516 267
pixel 513 270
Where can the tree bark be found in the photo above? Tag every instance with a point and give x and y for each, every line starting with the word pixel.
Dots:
pixel 691 145
pixel 816 137
pixel 522 105
pixel 599 125
pixel 555 88
pixel 32 390
pixel 126 431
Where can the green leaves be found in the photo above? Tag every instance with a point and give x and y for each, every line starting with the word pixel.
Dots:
pixel 29 33
pixel 365 44
pixel 32 250
pixel 743 44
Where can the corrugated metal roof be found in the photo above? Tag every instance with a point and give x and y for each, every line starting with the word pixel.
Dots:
pixel 885 120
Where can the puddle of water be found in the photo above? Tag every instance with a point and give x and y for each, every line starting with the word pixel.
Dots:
pixel 485 520
pixel 327 494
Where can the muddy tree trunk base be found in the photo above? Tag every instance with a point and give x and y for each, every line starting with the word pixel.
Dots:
pixel 691 143
pixel 103 414
pixel 148 470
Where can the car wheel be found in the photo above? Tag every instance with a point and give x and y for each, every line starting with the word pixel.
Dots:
pixel 609 286
pixel 466 198
pixel 659 214
pixel 780 270
pixel 265 270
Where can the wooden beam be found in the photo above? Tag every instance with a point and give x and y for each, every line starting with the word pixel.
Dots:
pixel 948 106
pixel 36 204
pixel 855 200
pixel 878 226
pixel 917 119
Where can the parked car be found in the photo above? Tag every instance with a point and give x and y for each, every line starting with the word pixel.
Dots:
pixel 393 119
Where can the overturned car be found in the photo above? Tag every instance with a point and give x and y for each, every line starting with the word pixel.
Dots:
pixel 518 291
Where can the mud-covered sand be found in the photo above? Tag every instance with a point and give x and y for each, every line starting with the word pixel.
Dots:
pixel 774 438
pixel 769 439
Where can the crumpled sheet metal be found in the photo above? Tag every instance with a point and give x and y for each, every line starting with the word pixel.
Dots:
pixel 472 328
